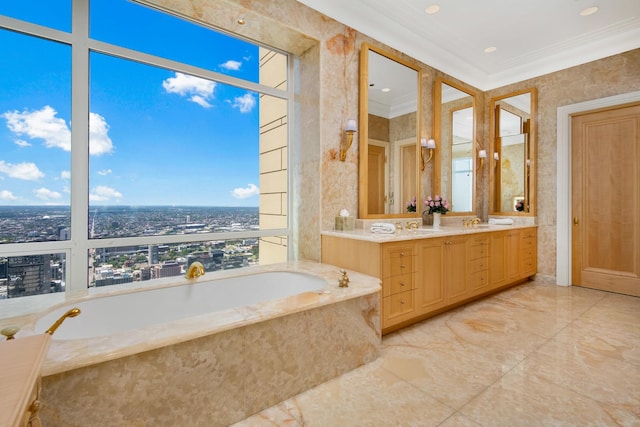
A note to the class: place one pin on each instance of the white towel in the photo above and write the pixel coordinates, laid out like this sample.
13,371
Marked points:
501,221
383,227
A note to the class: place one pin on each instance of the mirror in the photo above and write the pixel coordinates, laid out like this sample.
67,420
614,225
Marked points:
389,123
513,148
454,131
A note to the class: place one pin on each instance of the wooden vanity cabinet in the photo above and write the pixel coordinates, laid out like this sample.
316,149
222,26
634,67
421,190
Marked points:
479,263
398,282
513,256
422,277
21,359
528,252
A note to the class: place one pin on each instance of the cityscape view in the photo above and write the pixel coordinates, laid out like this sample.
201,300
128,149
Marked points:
38,274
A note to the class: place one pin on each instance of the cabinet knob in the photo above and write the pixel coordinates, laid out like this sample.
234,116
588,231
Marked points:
402,302
402,284
402,266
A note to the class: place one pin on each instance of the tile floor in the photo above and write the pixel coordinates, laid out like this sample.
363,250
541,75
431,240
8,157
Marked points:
533,355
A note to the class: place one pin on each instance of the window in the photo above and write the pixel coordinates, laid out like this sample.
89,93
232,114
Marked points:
186,157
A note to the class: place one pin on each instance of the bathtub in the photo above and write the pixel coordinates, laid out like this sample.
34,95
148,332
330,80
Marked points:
142,309
210,352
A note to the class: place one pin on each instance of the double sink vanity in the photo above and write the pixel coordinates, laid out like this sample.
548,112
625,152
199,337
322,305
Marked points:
407,153
425,271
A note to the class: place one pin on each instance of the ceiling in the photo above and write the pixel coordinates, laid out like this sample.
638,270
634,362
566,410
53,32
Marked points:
531,37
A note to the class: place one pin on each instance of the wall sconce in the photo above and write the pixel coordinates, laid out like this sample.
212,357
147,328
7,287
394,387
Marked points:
482,154
426,144
496,157
351,128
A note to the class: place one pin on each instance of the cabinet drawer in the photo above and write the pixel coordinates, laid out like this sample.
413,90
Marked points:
401,264
400,304
479,250
401,283
480,264
479,279
528,266
527,252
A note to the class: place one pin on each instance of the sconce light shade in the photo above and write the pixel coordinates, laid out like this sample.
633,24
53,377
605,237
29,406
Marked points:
482,154
496,156
426,144
351,128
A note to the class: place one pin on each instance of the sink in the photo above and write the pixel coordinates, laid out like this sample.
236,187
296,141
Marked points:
426,230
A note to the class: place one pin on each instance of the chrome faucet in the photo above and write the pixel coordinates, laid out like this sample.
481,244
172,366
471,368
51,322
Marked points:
196,269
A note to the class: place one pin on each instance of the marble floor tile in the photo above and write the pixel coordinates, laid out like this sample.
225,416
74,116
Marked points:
533,355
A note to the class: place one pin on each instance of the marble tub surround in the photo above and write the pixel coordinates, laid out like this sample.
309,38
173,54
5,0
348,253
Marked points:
215,369
72,354
533,355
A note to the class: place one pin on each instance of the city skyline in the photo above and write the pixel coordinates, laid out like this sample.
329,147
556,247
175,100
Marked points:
157,137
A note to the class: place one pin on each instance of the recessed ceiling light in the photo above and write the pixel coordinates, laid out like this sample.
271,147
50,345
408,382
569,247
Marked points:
430,10
241,21
385,89
490,49
589,11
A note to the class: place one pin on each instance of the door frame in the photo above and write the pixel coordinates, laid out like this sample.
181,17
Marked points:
563,176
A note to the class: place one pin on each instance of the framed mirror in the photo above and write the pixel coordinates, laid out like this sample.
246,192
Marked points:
513,153
455,133
389,130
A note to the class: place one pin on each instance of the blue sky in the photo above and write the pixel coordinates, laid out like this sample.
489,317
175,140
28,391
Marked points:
157,137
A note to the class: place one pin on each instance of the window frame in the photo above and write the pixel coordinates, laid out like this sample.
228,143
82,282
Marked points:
76,249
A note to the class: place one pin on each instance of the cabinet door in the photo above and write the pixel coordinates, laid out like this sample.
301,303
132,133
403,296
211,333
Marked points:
512,242
497,259
456,283
430,275
528,252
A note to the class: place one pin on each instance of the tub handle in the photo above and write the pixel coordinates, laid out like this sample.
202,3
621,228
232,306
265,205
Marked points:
71,313
10,331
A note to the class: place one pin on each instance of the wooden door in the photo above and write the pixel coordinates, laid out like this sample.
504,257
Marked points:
376,189
605,199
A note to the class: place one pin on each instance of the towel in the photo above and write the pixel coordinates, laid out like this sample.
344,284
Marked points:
383,228
501,221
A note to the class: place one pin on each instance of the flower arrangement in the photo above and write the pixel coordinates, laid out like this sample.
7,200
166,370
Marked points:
411,205
436,205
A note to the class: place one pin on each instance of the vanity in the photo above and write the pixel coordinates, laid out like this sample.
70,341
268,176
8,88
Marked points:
407,155
20,380
426,272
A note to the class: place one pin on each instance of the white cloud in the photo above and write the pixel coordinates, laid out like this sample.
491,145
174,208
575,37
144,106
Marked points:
22,143
231,65
104,172
24,170
7,195
44,124
244,103
46,194
65,175
41,124
99,141
196,89
244,193
102,193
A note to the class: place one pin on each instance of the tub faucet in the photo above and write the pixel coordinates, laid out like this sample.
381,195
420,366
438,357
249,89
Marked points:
196,269
343,282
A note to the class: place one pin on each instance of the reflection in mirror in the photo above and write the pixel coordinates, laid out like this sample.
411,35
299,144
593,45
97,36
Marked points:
389,118
513,147
456,132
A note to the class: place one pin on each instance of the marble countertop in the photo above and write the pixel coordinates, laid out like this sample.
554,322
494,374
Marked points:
421,233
